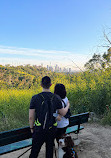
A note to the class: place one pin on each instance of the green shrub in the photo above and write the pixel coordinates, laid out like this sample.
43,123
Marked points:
106,119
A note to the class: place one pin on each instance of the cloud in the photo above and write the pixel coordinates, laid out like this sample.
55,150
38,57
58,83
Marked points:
18,56
30,52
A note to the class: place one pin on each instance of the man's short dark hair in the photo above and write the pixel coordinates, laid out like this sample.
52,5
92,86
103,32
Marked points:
60,90
46,82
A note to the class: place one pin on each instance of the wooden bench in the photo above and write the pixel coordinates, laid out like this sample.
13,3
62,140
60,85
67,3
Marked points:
21,138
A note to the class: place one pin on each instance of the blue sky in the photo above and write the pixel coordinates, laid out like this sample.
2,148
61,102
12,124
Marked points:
52,31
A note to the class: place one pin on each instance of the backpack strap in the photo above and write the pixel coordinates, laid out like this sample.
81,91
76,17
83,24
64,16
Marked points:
37,123
68,114
64,103
44,97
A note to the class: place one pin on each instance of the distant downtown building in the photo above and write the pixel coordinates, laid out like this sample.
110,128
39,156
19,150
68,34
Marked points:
56,68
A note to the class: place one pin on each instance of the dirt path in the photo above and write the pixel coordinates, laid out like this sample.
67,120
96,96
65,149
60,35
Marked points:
95,142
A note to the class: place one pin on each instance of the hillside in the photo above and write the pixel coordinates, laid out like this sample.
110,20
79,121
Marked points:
21,76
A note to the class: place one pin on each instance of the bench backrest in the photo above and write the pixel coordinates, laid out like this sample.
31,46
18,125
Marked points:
15,135
78,119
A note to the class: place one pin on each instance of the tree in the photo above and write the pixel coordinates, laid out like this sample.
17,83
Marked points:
107,58
101,62
95,62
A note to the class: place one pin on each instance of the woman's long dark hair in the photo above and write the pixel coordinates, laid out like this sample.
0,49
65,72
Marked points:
60,90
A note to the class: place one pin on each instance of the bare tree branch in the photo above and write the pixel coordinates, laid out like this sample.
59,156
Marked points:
106,37
104,46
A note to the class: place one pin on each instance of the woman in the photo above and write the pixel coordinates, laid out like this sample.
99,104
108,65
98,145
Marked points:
62,122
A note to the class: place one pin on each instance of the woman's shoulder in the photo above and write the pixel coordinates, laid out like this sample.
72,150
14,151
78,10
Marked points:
65,99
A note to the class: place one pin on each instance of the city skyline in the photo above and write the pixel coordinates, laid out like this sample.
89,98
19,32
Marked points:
57,68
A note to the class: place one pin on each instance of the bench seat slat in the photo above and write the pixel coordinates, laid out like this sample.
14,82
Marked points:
73,129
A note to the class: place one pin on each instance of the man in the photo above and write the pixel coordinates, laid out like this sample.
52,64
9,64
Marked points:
41,113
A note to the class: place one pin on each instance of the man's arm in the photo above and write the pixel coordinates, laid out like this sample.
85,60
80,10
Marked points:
31,119
63,111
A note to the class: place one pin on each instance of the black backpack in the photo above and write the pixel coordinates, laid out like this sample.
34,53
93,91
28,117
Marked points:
45,117
68,114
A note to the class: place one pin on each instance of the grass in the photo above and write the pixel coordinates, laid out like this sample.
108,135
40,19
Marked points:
14,106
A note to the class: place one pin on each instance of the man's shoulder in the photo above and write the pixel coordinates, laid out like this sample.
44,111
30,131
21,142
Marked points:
36,96
57,97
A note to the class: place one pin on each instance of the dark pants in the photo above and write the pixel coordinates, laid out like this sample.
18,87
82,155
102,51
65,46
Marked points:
60,132
41,136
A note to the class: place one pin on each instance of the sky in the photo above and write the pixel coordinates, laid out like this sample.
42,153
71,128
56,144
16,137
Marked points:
50,32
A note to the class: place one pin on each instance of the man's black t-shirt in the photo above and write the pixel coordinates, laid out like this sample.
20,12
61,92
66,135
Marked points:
36,101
